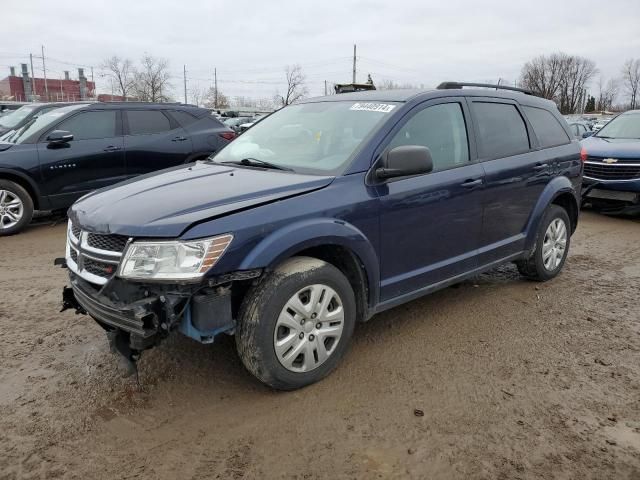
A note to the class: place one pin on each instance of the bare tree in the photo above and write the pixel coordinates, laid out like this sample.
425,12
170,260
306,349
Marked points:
543,75
607,93
387,85
296,88
215,99
559,77
631,79
198,95
121,72
264,104
152,80
578,71
391,85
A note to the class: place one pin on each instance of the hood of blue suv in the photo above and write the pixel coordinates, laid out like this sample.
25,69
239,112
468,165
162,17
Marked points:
166,203
612,147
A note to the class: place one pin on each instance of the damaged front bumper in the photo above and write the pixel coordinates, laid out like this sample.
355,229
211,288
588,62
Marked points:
139,316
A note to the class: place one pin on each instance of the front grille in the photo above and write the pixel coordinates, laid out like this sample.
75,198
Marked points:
101,269
621,170
75,230
95,257
111,243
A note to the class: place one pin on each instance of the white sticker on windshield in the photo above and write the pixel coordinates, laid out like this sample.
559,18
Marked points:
373,107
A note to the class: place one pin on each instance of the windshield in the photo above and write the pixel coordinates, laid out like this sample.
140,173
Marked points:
316,138
15,117
623,126
23,133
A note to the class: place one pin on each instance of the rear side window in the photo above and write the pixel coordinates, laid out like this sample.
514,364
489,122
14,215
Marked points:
183,118
88,125
547,127
144,122
442,129
502,131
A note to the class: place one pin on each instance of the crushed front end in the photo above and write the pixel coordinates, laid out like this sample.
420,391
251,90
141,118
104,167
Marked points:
139,314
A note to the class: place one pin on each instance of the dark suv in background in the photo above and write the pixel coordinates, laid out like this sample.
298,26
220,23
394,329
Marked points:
322,215
54,159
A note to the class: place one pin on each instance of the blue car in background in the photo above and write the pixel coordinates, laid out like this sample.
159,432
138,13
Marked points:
612,165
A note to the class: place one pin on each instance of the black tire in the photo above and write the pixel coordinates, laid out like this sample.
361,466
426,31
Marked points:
259,314
27,207
533,267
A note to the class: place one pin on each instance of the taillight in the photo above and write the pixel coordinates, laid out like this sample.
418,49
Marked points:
228,135
583,154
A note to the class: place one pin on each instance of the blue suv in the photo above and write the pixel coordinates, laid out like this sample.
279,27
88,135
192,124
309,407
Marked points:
322,215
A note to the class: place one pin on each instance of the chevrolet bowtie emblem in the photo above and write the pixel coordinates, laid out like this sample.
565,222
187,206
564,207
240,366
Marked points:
610,160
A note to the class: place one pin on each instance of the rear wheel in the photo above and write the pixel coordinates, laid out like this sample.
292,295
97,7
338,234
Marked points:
552,246
16,208
295,325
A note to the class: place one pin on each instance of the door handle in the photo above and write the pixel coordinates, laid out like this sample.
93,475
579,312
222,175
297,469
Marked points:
471,183
540,166
179,139
112,148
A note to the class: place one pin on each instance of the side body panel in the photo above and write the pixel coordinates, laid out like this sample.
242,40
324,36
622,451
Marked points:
345,213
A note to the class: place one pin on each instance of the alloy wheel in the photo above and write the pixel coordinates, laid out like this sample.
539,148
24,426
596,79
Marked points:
11,209
554,244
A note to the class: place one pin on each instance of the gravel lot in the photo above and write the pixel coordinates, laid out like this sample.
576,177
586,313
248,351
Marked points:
493,378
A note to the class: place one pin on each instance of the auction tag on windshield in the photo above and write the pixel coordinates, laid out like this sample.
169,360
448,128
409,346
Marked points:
373,107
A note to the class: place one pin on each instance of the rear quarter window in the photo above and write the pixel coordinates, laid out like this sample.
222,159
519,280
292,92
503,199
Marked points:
145,122
501,130
547,128
183,118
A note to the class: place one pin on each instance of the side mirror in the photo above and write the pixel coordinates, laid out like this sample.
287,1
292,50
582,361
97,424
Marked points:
58,137
404,161
587,134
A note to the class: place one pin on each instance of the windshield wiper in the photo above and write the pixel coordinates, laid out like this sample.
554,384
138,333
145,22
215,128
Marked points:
254,162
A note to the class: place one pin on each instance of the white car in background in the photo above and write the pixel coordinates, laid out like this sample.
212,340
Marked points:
601,123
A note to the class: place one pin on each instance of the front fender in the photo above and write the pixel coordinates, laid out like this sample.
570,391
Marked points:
556,187
24,177
293,238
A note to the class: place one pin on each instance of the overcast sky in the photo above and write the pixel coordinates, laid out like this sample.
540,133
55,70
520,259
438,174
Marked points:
251,41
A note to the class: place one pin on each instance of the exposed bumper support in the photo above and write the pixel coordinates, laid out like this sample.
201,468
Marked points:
139,316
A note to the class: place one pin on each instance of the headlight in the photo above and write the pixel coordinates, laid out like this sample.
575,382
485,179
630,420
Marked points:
173,260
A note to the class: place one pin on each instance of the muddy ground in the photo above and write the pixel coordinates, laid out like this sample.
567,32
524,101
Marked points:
514,380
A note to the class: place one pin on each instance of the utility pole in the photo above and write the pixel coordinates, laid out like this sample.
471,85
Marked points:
354,63
215,88
44,72
325,88
185,83
33,83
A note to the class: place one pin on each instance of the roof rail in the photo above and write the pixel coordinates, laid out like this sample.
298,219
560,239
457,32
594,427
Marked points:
138,102
459,85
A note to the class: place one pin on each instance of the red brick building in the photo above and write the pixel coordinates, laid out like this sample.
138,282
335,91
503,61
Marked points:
24,88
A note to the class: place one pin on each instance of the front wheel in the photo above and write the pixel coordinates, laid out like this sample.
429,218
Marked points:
552,246
295,325
16,208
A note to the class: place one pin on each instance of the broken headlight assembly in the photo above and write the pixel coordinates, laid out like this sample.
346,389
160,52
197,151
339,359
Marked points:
172,260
